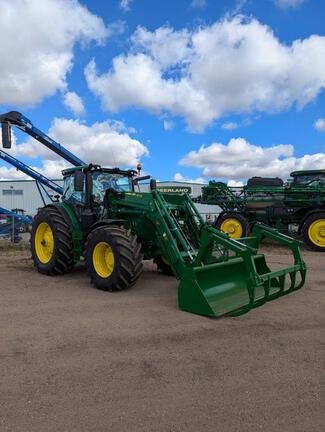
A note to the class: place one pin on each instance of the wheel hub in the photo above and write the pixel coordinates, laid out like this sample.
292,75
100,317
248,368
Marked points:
316,232
233,227
44,242
103,259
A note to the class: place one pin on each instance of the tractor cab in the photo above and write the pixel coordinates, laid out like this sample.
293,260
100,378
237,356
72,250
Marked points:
86,189
89,183
312,178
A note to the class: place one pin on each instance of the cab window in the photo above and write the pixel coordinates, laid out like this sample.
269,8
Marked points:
103,181
310,180
68,190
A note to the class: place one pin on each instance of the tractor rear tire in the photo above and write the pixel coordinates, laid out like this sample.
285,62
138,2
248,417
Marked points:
51,242
163,265
313,232
234,224
113,258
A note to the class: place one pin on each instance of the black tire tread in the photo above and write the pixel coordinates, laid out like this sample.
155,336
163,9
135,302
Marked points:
129,266
304,231
62,261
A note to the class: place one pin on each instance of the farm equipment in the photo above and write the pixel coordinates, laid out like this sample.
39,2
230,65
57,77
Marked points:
103,220
295,207
42,181
12,224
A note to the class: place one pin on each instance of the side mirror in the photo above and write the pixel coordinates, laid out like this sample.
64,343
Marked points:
138,179
6,135
79,181
153,184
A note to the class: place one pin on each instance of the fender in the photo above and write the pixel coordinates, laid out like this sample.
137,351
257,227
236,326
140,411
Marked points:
104,222
63,212
76,232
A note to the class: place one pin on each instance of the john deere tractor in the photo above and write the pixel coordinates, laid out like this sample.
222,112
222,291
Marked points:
104,221
79,227
296,207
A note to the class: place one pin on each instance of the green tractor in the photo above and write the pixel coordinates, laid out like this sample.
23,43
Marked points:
103,220
297,207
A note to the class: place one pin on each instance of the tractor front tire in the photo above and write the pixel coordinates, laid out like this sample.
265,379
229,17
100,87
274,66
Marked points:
113,258
313,232
234,224
163,265
51,242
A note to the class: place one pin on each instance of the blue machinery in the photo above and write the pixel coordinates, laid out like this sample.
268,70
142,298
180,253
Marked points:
11,227
40,178
20,121
23,123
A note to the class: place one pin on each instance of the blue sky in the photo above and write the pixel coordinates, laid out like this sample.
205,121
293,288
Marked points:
192,89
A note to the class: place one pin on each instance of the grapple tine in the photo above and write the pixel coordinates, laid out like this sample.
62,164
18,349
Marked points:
293,281
302,279
267,287
282,280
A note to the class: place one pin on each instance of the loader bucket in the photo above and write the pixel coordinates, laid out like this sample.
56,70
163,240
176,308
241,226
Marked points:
235,286
214,289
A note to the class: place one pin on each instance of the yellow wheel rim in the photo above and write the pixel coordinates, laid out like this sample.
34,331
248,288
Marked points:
44,242
316,232
232,227
103,259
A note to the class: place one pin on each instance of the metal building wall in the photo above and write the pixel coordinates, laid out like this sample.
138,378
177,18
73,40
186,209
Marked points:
29,198
207,211
22,194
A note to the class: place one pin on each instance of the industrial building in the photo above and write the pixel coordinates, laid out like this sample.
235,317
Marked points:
25,195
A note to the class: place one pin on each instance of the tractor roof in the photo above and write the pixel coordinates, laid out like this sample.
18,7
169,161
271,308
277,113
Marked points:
94,168
307,172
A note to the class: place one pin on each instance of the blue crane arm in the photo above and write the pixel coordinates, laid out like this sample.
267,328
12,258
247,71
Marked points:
31,172
23,123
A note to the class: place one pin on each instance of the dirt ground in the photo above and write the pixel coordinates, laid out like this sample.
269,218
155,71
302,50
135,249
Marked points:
76,359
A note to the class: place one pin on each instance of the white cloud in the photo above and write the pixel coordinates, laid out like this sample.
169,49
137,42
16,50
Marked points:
169,125
37,49
235,65
239,160
74,103
179,177
319,125
284,4
230,125
101,143
11,173
198,3
119,126
165,45
125,5
234,183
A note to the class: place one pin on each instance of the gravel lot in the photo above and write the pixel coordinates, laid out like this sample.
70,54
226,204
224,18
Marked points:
76,359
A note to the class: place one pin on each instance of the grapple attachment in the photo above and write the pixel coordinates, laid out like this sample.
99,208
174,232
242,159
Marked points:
239,279
218,275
